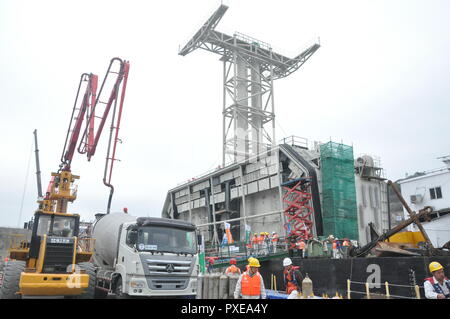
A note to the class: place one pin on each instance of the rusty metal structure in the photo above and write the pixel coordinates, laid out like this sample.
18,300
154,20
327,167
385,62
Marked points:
414,218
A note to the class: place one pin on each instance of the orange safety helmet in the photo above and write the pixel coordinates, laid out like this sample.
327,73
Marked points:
232,261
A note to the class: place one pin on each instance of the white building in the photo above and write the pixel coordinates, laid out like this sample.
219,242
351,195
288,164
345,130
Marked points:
430,189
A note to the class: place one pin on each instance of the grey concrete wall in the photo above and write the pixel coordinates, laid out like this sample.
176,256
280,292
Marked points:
199,216
260,203
372,207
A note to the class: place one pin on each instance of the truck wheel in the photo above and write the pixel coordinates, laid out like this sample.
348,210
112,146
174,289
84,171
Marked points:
11,279
118,290
89,293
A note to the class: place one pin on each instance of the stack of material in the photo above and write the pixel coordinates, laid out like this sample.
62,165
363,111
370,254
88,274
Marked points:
216,286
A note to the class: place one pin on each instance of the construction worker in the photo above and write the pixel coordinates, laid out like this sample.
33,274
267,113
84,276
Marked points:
340,253
291,276
274,242
334,247
301,248
255,243
345,247
438,286
266,243
232,269
261,243
251,284
346,242
210,265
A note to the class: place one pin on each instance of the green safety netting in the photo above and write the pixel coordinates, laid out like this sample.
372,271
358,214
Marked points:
338,190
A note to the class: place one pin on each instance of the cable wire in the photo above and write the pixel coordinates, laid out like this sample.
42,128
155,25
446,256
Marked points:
25,185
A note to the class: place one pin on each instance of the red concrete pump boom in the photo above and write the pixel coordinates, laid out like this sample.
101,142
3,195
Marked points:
85,112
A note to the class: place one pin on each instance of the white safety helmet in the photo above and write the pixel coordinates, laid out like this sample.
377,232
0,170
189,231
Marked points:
287,262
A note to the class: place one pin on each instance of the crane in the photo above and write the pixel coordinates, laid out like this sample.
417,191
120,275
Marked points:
56,261
88,109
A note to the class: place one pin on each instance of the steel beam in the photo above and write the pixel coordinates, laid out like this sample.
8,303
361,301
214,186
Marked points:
245,55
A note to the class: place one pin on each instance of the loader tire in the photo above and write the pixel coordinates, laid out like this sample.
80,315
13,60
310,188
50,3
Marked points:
89,293
11,279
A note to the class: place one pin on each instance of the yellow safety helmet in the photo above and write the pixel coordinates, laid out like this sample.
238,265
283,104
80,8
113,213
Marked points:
253,262
435,266
261,233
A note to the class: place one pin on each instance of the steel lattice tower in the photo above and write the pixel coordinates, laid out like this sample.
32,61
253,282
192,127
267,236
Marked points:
249,69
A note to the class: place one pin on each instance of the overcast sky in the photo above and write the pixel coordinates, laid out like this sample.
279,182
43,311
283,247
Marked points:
379,82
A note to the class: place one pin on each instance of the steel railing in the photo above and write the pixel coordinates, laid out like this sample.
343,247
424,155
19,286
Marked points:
387,287
18,242
244,250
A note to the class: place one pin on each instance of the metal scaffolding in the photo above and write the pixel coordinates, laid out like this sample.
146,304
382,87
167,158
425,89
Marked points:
249,68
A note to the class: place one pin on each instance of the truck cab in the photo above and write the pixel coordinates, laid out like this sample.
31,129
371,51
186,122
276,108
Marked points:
156,257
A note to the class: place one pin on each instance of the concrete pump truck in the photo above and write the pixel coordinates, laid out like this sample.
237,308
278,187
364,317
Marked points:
56,262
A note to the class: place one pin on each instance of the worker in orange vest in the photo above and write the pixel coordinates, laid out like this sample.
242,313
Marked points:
291,276
260,243
232,269
251,284
274,242
334,246
301,248
265,243
268,243
255,243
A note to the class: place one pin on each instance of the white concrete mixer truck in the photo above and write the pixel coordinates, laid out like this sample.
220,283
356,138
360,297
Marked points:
145,256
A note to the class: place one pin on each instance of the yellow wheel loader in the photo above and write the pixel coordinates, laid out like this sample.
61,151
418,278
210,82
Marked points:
56,261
